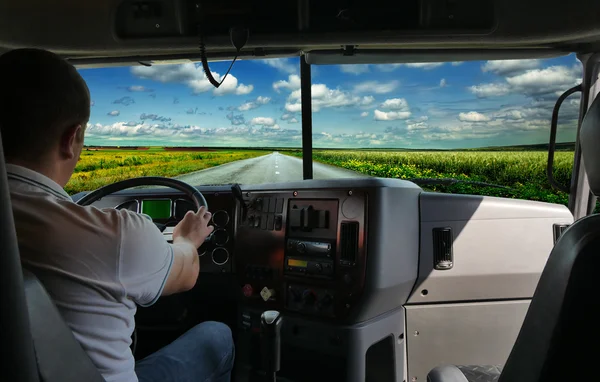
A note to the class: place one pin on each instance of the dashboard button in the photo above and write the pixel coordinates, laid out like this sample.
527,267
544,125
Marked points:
247,290
220,218
220,256
279,205
278,222
301,247
272,204
270,222
263,222
220,237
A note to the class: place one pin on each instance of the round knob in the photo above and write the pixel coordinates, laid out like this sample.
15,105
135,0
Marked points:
220,218
318,268
325,302
309,297
301,247
220,237
220,256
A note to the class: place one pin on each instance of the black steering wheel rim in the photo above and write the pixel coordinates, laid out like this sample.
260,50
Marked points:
190,191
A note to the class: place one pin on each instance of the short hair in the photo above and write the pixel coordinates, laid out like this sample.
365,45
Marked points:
41,97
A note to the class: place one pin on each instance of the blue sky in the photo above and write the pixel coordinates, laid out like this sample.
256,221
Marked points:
430,105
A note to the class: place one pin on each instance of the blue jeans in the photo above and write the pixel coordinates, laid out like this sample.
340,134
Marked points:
204,353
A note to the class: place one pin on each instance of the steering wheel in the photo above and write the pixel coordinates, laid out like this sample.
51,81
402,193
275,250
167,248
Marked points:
191,192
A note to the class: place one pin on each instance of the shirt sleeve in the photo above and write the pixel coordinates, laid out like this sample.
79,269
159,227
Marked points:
145,258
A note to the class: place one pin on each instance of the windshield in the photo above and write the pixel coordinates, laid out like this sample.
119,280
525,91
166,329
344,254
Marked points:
481,121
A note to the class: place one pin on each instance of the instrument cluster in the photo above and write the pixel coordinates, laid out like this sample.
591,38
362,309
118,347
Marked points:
217,252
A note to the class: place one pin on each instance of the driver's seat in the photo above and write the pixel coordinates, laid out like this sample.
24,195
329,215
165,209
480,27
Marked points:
37,345
560,335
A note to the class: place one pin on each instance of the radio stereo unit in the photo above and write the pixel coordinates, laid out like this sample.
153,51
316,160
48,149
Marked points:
309,267
309,258
308,248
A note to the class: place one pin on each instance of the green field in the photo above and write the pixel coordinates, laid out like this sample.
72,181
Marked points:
523,172
99,167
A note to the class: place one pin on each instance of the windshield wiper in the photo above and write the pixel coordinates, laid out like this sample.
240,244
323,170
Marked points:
452,181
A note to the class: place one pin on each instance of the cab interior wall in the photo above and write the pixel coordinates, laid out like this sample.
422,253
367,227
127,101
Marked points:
98,31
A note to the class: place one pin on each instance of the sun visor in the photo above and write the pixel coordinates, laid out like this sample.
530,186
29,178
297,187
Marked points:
390,56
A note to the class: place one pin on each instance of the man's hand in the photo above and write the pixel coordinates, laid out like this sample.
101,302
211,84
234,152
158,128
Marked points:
188,236
193,227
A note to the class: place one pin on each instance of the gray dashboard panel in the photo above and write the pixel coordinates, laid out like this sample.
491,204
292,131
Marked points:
480,333
500,247
392,238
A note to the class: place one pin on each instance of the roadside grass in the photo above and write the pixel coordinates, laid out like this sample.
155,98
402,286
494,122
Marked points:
97,168
524,172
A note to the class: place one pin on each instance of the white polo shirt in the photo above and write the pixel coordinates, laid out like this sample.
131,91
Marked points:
97,264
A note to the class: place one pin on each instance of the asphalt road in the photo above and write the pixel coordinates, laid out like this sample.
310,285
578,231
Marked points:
271,168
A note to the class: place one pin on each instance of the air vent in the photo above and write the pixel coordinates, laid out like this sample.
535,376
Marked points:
443,257
349,243
558,230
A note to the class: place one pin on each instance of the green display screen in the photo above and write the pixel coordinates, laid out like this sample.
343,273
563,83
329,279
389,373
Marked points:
157,209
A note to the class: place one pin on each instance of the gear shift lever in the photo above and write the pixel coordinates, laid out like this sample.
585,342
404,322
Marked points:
270,343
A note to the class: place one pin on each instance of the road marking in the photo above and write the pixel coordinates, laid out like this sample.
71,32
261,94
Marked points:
276,172
276,166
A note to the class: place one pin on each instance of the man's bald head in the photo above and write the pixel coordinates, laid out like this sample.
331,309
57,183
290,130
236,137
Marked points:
42,97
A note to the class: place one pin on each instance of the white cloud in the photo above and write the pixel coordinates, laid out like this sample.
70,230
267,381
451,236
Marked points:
391,115
388,67
473,116
532,83
324,97
395,104
114,113
457,63
417,126
354,69
262,121
364,114
294,107
398,109
293,120
425,65
489,90
191,76
191,134
285,65
504,67
292,83
544,81
443,83
376,87
138,88
259,101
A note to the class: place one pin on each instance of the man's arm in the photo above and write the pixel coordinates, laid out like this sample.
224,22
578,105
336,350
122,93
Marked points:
188,236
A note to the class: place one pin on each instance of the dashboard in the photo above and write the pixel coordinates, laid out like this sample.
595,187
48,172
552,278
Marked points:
300,250
352,263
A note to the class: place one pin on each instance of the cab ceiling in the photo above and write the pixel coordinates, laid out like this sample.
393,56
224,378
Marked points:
117,31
